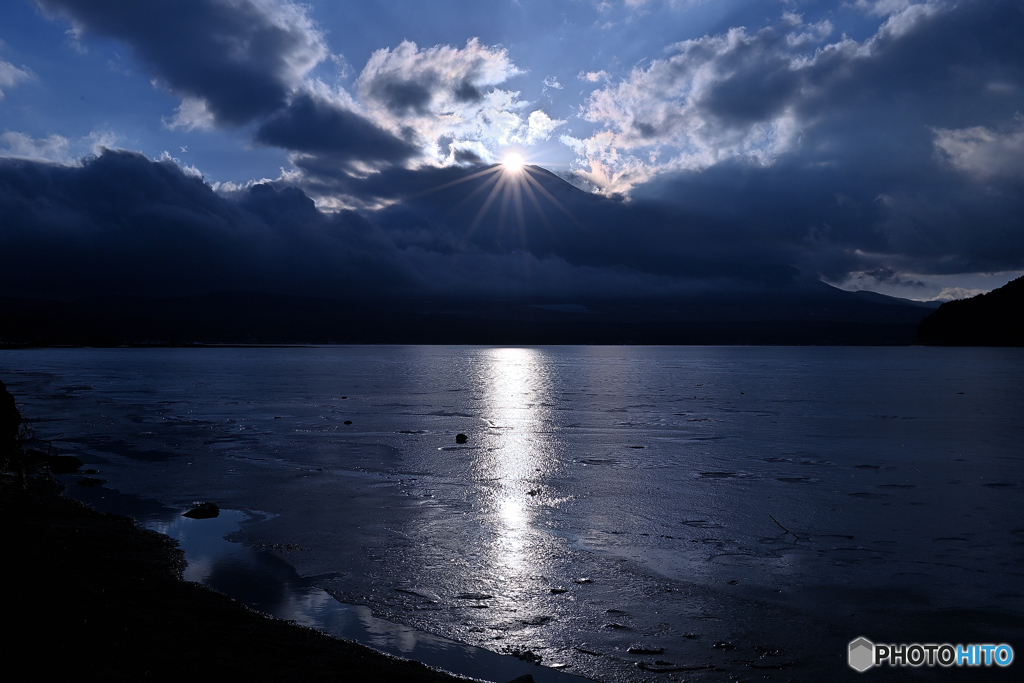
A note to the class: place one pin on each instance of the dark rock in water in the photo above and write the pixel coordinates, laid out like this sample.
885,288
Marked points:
724,645
644,650
461,438
558,591
203,511
348,422
35,459
528,656
419,593
473,596
526,678
65,464
663,667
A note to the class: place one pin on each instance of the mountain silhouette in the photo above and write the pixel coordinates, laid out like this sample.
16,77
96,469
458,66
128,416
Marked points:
992,319
795,314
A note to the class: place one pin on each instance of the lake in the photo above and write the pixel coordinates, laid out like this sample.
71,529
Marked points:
718,510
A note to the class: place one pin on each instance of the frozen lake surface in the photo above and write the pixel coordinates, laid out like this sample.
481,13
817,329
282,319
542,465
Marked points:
721,511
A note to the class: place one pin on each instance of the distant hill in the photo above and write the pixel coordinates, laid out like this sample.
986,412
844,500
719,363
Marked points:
885,299
993,319
796,314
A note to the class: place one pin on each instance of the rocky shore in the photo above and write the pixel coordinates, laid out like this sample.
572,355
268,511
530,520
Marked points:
91,592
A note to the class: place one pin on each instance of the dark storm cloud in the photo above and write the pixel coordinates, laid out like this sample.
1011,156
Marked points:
902,152
402,97
242,58
409,80
317,126
837,220
937,56
467,92
935,65
240,62
759,86
955,68
876,123
123,224
416,95
466,156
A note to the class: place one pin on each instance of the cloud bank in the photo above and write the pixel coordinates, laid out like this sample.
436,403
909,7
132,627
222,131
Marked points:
119,223
744,154
758,96
249,62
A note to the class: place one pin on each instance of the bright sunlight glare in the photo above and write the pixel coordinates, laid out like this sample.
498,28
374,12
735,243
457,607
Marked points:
512,162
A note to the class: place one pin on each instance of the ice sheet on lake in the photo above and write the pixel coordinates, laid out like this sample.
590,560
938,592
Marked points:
605,498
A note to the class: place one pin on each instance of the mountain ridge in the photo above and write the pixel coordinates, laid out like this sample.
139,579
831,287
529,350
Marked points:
799,315
992,319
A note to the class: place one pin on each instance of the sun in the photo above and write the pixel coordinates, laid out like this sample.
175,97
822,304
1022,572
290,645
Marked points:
512,162
512,183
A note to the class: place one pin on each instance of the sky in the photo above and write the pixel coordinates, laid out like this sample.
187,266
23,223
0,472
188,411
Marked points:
345,149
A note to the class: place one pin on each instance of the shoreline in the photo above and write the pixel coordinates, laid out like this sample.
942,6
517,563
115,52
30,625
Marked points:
93,591
269,585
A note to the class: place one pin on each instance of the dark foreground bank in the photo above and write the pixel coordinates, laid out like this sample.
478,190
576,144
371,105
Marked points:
91,592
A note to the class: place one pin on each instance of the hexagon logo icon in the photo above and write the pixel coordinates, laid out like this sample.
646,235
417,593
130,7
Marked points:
862,654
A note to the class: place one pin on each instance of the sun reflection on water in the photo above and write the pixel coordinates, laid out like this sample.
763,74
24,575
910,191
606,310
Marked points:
514,468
